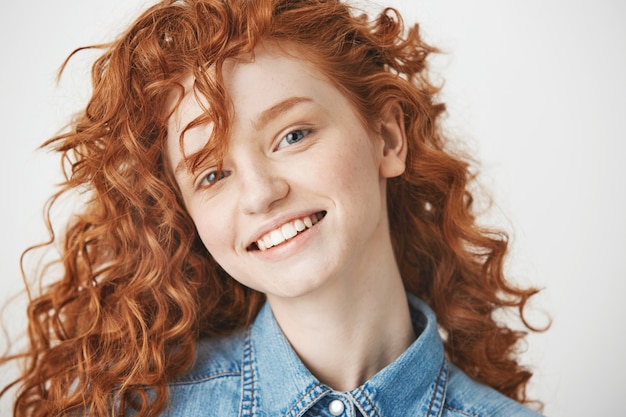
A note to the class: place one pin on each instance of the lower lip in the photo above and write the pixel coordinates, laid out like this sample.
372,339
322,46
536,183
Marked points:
289,247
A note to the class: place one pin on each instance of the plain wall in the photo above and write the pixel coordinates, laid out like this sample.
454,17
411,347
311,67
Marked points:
536,89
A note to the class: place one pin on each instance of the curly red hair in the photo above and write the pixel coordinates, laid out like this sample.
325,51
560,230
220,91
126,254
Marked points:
138,288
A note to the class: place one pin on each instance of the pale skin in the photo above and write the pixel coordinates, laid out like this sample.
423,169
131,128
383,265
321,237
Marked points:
298,151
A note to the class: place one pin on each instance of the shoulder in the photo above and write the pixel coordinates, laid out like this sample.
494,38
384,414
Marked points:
468,398
215,379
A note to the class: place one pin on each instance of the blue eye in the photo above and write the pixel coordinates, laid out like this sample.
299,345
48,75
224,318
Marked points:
214,176
294,137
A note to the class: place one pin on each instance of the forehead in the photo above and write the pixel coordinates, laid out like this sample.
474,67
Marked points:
275,72
274,69
254,83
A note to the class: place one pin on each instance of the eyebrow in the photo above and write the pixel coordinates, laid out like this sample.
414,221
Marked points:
264,117
282,106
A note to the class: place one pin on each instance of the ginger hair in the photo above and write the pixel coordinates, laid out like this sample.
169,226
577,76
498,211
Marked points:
137,287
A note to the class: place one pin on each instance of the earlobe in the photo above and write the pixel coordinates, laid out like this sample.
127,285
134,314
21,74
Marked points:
393,135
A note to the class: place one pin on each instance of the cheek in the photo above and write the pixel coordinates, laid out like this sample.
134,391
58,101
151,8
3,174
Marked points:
355,169
210,235
211,225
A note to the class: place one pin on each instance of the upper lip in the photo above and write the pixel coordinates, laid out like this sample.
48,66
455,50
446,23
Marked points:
277,222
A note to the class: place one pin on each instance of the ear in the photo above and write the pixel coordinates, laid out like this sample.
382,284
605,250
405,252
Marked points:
393,135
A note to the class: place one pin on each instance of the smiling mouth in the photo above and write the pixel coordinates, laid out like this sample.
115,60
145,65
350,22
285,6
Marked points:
286,232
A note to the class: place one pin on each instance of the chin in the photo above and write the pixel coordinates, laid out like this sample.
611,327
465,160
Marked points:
292,286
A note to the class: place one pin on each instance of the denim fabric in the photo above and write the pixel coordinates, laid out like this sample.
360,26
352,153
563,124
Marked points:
257,373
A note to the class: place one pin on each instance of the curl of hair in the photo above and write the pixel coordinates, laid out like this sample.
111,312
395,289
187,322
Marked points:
138,288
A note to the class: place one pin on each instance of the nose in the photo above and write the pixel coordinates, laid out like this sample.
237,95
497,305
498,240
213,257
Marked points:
262,187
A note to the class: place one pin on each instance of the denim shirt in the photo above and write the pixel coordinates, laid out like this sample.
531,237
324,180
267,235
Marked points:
256,373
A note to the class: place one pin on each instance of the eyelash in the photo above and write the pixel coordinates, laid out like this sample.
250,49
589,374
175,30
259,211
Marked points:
300,133
206,182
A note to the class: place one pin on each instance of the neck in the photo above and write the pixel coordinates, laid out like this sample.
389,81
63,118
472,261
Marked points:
348,331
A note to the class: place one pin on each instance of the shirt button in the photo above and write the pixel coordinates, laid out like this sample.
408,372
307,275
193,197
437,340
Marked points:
336,407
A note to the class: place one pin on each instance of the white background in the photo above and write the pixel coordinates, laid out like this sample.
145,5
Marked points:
537,90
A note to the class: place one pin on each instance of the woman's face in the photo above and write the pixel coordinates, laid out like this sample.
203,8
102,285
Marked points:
301,201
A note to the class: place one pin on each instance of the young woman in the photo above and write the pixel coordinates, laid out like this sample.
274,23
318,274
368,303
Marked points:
274,226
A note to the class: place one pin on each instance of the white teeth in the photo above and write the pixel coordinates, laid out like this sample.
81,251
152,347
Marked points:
289,230
277,237
299,225
286,232
307,222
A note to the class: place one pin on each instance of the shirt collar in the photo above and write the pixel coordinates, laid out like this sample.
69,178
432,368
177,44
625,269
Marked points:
277,382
